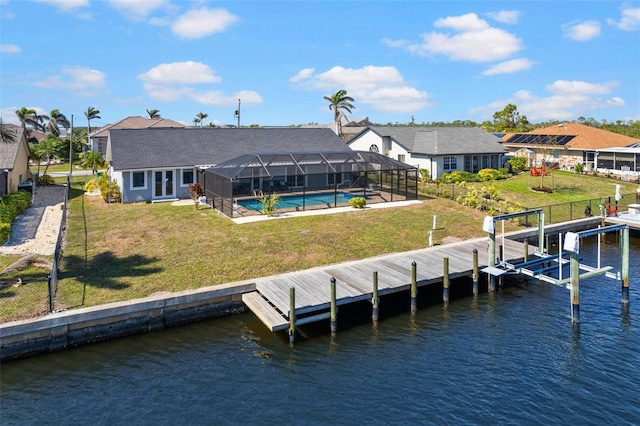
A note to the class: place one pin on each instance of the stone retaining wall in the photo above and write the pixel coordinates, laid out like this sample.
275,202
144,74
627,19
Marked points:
66,329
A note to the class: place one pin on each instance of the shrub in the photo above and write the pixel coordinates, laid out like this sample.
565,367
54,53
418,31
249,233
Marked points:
358,202
109,190
579,168
5,231
490,174
91,185
518,164
45,180
11,205
459,176
269,203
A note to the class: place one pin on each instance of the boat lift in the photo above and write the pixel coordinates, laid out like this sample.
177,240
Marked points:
550,263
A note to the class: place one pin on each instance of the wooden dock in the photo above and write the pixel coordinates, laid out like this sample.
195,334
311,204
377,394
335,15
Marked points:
625,218
270,302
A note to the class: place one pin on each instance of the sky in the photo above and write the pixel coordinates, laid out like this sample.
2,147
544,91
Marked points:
399,60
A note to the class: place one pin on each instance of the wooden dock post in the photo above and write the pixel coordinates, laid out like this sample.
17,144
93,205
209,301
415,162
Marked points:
414,288
375,300
575,288
445,281
526,251
624,241
475,272
292,314
334,309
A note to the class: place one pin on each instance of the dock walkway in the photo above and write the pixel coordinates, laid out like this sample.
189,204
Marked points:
354,280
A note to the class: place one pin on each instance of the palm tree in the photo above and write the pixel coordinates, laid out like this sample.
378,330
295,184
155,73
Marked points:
92,160
6,135
91,113
339,103
201,116
55,120
196,121
49,148
153,113
27,117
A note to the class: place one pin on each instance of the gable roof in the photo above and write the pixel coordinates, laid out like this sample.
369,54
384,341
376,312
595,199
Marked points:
136,122
442,140
135,149
9,150
583,137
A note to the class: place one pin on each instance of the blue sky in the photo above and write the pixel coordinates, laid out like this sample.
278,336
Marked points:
430,60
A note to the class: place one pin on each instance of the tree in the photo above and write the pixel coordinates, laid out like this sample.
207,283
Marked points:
92,160
27,117
339,103
153,113
509,120
49,148
55,120
200,117
6,134
91,113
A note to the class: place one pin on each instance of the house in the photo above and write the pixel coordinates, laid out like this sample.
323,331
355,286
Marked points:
98,139
14,161
566,144
156,164
437,149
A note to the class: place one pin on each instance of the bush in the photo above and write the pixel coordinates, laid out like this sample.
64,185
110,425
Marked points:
45,180
91,185
109,190
490,174
518,164
358,202
12,205
5,232
459,176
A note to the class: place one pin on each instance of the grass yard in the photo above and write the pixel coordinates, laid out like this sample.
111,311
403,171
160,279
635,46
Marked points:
118,252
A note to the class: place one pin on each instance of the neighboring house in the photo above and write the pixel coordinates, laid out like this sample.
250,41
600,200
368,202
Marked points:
98,139
566,144
437,149
14,161
352,128
159,164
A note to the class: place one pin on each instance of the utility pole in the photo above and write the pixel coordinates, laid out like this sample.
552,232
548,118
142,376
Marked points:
238,113
71,148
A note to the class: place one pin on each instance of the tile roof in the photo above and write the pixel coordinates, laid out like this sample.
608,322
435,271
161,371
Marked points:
9,150
443,140
136,122
586,137
134,149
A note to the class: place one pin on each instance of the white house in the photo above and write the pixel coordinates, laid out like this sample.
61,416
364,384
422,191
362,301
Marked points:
437,149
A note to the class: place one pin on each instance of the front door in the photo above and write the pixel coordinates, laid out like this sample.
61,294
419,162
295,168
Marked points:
164,184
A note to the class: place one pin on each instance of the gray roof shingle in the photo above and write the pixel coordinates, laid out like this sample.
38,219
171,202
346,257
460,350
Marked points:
443,140
9,150
135,149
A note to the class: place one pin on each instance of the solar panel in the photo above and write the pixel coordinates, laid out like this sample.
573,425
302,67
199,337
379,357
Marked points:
534,139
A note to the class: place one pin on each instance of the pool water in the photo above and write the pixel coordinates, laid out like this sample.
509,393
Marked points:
296,201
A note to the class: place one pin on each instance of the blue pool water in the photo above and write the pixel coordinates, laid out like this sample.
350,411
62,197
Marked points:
293,201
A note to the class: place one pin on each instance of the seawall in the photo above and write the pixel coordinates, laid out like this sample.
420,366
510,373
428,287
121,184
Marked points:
76,327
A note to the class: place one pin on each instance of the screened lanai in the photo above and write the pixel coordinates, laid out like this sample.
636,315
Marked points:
306,181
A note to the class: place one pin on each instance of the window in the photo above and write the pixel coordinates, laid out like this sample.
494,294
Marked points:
374,148
187,177
332,179
401,157
450,163
138,180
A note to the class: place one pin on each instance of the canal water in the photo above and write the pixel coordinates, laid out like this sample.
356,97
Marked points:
512,357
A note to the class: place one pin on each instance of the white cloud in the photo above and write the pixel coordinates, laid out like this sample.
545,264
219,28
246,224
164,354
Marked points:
180,73
178,80
137,10
383,88
581,31
83,81
202,22
8,114
629,21
10,48
566,101
396,44
65,5
473,40
509,67
505,16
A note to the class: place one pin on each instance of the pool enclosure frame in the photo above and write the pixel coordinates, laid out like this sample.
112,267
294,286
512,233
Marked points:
358,173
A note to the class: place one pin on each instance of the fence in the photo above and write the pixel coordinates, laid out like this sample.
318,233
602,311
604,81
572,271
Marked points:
53,276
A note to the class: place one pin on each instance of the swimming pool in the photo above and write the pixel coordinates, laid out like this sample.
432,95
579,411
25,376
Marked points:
295,201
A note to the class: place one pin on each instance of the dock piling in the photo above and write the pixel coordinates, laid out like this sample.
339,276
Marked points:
292,315
445,281
334,308
575,288
624,240
475,272
375,300
526,251
414,288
